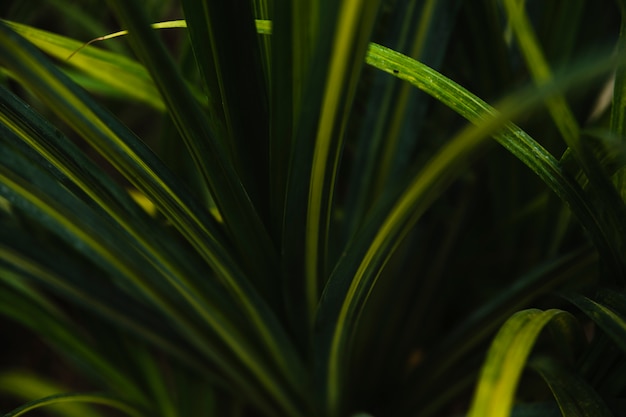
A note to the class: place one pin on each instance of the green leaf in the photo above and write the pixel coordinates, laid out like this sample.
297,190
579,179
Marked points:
95,399
604,314
26,387
346,60
506,360
574,396
125,76
541,72
618,117
226,45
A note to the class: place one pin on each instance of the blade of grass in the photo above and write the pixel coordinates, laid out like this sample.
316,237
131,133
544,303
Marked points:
300,44
27,386
116,71
226,44
541,72
611,322
156,380
281,97
117,74
349,47
95,399
618,116
506,360
573,394
262,16
297,73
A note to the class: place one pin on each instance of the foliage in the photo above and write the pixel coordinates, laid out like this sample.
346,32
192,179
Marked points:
289,208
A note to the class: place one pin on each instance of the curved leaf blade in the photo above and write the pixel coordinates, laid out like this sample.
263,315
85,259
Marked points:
117,72
574,396
608,317
346,60
95,399
505,362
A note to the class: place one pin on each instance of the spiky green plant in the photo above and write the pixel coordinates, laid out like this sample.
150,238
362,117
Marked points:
320,223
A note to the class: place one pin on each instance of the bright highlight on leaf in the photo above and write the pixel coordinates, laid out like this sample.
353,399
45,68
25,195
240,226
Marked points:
506,361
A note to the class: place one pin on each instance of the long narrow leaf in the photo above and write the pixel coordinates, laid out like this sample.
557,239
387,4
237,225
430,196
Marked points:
618,116
573,394
505,362
95,399
346,60
225,42
116,71
26,386
610,321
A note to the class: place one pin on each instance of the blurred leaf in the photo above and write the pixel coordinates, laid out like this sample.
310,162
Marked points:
26,386
574,396
603,314
100,399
